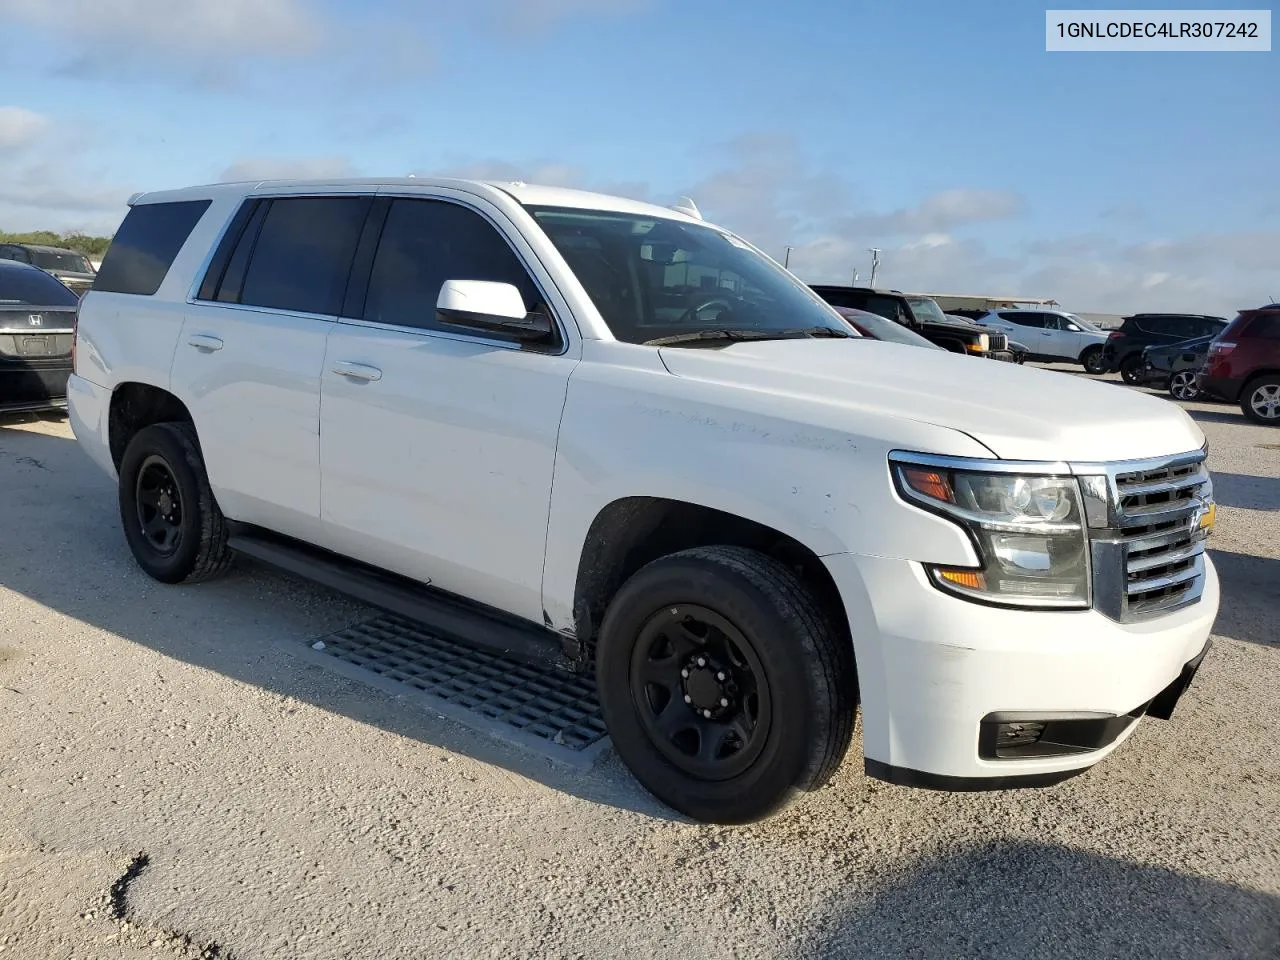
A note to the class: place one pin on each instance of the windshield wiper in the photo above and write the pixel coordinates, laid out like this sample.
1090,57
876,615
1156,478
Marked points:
714,336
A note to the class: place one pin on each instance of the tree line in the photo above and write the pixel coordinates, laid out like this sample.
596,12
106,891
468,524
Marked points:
93,247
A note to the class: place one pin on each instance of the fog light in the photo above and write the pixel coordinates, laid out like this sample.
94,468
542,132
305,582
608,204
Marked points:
1017,734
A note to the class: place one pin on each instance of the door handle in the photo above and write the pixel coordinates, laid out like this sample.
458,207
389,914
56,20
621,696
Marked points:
205,342
357,371
1045,333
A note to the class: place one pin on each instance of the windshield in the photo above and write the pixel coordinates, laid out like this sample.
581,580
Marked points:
926,310
33,287
60,260
652,278
882,328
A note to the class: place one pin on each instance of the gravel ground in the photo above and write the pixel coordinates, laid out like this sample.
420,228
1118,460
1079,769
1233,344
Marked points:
176,782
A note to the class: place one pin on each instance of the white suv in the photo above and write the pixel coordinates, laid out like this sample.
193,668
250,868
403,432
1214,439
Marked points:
1052,335
617,432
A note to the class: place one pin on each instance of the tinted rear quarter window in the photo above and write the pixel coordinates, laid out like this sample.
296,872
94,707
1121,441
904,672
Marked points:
144,247
302,255
1024,318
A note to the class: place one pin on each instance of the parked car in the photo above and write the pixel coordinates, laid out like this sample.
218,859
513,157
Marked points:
881,328
1123,350
37,315
73,269
548,420
1174,367
892,304
1017,352
1243,364
1052,336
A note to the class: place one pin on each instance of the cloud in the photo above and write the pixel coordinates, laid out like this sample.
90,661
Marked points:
242,26
19,127
940,213
288,168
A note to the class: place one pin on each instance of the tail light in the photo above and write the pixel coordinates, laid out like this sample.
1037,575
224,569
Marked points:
1115,335
75,334
1221,348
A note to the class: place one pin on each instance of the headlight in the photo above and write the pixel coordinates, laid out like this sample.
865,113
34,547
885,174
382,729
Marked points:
1028,532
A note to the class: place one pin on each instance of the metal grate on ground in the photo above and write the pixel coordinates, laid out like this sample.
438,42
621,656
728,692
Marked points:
550,710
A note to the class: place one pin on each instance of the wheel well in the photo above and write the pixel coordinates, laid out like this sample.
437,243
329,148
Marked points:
629,533
954,346
138,405
1091,347
1258,375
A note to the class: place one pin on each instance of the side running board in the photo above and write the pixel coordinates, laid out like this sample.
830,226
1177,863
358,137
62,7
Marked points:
440,612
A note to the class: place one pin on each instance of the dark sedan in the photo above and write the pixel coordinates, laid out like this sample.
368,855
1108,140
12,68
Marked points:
37,326
1173,367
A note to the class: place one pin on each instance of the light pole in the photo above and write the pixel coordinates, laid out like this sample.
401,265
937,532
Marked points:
875,263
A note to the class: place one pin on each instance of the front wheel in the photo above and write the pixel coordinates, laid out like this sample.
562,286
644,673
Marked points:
1182,385
170,518
725,686
1131,370
1260,400
1093,361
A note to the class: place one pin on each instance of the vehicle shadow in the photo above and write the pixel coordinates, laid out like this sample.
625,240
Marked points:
1073,904
63,548
1244,490
1218,416
1250,606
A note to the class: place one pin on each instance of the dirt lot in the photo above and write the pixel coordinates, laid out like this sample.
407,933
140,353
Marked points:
176,781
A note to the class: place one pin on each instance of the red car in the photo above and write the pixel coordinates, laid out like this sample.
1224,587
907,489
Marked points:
1244,364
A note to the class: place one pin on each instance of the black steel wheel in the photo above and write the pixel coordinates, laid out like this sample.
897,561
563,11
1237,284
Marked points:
700,691
170,518
1093,361
727,688
159,505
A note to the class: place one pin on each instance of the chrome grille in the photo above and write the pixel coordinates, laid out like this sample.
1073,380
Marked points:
998,341
1146,541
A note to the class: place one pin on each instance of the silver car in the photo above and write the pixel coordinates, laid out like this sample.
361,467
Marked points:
1053,336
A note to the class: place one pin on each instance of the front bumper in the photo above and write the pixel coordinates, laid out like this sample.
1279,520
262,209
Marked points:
933,667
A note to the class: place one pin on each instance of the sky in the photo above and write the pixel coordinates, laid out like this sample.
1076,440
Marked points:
942,133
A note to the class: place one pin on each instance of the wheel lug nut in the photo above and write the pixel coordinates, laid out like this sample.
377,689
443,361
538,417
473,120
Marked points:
688,699
720,675
702,661
724,702
707,714
684,673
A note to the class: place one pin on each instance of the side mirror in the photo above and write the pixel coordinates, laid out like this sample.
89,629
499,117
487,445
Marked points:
490,307
1072,327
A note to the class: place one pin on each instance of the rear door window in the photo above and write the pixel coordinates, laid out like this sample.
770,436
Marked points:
145,246
301,256
1024,318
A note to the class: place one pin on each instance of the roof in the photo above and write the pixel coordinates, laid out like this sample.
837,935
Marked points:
524,193
19,265
43,247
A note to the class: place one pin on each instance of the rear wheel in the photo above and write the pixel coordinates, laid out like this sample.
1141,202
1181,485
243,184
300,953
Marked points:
170,518
1093,361
1260,400
725,686
1131,369
1182,385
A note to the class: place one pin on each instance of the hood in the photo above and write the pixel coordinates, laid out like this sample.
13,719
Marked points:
1019,413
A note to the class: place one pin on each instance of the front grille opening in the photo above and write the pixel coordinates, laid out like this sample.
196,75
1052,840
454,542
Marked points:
1163,475
1165,570
1169,495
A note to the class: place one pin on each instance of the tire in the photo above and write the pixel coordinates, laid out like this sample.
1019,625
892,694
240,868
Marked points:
1131,369
795,665
1093,361
1260,400
1182,386
171,520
